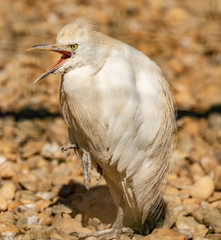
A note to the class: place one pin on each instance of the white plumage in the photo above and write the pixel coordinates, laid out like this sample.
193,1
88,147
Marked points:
119,112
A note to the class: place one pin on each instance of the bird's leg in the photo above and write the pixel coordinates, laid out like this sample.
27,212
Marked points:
69,146
84,170
118,224
86,163
89,168
114,232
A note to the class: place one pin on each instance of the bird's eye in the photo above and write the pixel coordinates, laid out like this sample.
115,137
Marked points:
74,46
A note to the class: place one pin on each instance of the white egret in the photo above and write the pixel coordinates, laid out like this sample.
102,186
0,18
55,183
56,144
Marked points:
120,116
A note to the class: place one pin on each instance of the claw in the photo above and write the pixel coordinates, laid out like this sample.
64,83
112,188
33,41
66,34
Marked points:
69,146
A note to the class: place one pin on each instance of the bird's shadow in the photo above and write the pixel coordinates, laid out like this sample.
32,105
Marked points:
93,203
97,203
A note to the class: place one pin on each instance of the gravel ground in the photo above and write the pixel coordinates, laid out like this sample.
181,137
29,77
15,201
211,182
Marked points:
42,195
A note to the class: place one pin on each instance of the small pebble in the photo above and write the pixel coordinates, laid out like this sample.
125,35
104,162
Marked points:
8,190
203,188
3,203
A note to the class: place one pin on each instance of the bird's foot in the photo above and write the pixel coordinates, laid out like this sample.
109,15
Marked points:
68,147
111,233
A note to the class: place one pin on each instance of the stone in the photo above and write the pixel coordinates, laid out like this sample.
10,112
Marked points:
8,216
67,224
8,169
44,219
208,163
182,183
29,181
8,230
213,236
40,232
203,188
26,197
215,197
189,224
41,205
8,190
137,237
185,193
218,178
27,219
59,235
208,216
31,148
171,191
176,16
45,195
197,171
13,204
192,201
58,209
3,203
49,150
165,234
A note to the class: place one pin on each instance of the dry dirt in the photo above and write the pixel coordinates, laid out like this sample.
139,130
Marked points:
42,195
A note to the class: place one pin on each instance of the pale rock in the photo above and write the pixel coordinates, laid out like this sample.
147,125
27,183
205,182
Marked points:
165,234
218,177
44,219
8,169
67,224
50,150
8,230
27,219
203,188
176,16
59,235
182,183
41,205
38,232
137,237
45,195
190,224
122,237
213,237
29,181
171,191
208,163
185,193
2,159
7,216
215,197
208,216
8,190
3,203
197,171
60,208
26,197
31,148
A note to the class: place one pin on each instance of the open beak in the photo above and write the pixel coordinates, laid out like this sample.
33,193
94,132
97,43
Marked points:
55,48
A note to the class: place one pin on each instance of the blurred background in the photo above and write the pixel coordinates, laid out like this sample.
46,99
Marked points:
183,37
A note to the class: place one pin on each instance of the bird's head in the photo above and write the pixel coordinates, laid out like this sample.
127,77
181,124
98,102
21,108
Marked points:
77,42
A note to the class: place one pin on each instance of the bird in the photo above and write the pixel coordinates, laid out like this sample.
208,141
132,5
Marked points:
119,110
